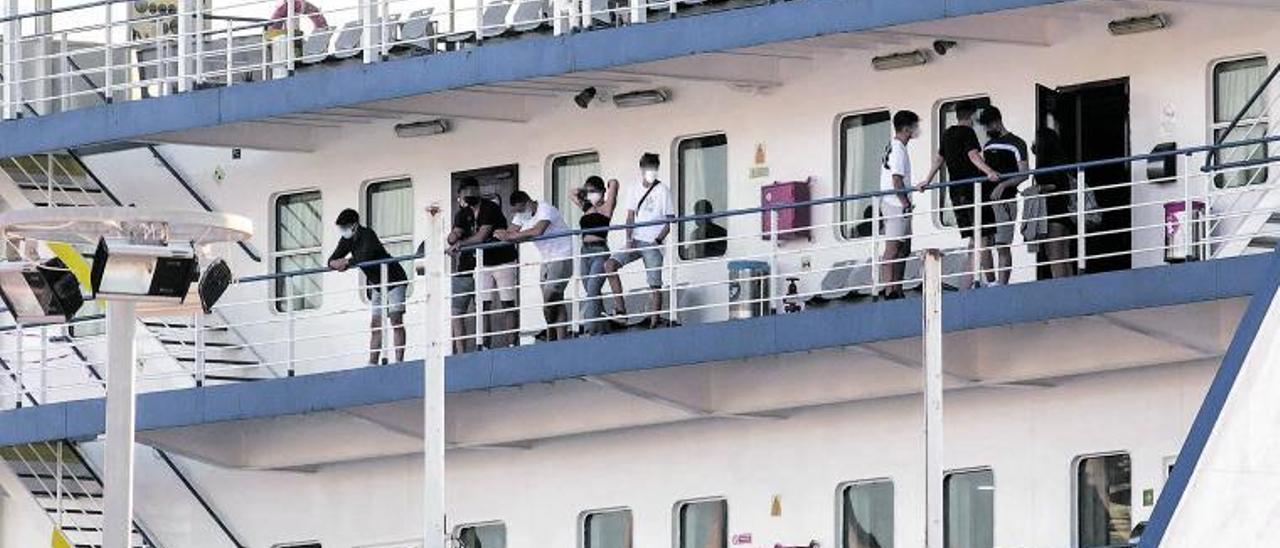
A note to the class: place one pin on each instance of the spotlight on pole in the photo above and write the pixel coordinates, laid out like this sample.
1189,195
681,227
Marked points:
126,269
214,282
40,293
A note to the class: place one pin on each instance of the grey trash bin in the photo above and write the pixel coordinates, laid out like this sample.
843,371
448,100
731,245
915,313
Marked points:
748,289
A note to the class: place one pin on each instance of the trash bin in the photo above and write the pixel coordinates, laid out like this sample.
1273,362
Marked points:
1184,234
748,289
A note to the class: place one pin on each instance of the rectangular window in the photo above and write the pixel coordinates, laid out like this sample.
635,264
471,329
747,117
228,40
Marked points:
298,231
568,173
866,508
606,529
1103,501
947,118
1234,83
863,138
389,212
483,535
702,524
968,500
702,164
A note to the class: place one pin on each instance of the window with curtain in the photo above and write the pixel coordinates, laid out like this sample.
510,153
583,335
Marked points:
298,240
702,165
484,535
606,529
568,173
863,138
389,212
1234,82
1104,502
968,500
867,510
703,524
947,118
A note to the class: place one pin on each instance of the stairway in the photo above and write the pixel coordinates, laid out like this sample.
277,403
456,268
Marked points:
56,179
227,357
1268,236
68,489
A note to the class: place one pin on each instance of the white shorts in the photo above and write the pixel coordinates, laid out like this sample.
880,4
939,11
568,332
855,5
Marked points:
1006,214
896,221
503,280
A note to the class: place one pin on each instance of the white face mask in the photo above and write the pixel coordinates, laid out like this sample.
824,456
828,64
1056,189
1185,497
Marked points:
594,197
347,231
650,175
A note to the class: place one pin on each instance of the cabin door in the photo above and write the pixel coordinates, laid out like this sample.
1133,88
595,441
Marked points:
1092,120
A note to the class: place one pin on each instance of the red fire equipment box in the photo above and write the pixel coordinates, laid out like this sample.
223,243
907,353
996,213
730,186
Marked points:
793,222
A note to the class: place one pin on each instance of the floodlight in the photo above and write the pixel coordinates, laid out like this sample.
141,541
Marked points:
150,271
38,294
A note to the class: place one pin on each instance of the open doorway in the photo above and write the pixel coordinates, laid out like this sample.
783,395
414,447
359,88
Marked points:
1092,120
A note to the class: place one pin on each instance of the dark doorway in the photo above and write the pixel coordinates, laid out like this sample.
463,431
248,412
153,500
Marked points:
496,183
1093,121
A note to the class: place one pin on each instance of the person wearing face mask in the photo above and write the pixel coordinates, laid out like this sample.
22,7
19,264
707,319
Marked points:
597,201
1007,154
358,245
895,206
534,219
649,202
477,221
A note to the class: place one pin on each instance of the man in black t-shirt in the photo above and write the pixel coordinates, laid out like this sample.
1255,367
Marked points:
498,283
360,244
1007,154
961,153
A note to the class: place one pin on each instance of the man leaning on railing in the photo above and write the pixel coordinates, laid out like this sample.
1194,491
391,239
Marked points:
359,245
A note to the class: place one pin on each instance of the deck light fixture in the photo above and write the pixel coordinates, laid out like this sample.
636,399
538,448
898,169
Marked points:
422,129
901,60
583,98
129,269
941,47
40,293
213,283
642,98
1135,25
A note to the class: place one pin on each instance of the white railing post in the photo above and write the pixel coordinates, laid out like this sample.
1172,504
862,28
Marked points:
200,348
12,54
558,12
933,424
582,8
439,346
108,56
979,244
199,39
229,55
479,16
290,33
44,364
20,363
66,84
875,247
57,473
291,336
1080,221
672,260
1188,218
382,315
367,9
576,282
185,8
477,296
774,275
384,30
162,53
638,11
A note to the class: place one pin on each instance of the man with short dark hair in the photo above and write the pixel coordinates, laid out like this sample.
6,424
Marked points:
535,219
648,202
895,205
497,287
961,153
359,245
1007,154
708,239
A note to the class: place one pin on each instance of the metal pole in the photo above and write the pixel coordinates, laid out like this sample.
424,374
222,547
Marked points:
575,293
932,316
229,55
118,476
479,7
382,315
44,365
291,321
201,350
477,297
1080,228
185,9
65,85
875,247
108,60
979,277
433,410
12,31
19,366
290,30
367,10
773,261
673,255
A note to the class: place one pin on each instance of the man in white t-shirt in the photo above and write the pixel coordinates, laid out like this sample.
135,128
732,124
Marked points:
895,206
649,202
541,222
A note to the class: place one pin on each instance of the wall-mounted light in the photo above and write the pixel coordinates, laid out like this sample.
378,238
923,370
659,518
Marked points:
40,293
1135,25
642,98
941,47
422,129
150,271
583,98
895,61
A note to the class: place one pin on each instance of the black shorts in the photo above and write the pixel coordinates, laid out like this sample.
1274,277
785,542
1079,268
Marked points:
962,208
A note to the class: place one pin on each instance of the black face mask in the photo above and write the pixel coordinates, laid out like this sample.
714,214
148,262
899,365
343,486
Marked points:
471,201
993,133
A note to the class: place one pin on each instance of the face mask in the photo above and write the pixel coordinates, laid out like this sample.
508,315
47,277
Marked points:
347,231
650,175
993,133
471,201
594,197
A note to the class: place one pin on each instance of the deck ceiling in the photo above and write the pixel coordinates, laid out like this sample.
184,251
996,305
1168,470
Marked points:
1026,356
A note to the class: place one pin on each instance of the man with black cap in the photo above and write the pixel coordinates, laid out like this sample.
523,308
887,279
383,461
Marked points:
359,245
649,202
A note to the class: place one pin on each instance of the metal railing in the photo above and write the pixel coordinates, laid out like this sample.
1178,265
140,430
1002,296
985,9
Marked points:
56,58
824,271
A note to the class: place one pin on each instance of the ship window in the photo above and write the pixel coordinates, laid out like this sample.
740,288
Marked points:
863,138
1234,83
606,529
866,509
1103,501
703,187
389,212
568,173
969,509
298,231
483,535
945,216
702,524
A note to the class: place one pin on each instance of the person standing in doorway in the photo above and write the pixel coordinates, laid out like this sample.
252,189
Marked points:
1007,154
961,153
534,219
359,245
647,203
895,205
480,219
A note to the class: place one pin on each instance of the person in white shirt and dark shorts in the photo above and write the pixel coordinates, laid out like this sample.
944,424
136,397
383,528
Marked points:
649,202
538,219
895,207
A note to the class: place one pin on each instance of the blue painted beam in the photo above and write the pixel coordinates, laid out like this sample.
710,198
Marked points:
815,329
527,57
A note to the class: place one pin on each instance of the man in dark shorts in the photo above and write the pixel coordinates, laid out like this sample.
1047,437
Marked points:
961,152
1007,154
360,244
